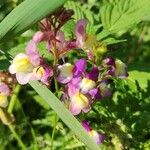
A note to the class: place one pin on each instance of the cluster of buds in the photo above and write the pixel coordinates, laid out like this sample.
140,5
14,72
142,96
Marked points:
80,84
6,81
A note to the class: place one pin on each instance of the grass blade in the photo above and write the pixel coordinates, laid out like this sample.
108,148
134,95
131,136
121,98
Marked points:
64,114
26,14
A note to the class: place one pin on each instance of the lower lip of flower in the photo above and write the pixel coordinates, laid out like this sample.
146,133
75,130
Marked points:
81,100
87,84
66,70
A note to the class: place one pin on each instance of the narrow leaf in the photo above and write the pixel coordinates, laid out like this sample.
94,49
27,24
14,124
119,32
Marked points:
26,14
64,114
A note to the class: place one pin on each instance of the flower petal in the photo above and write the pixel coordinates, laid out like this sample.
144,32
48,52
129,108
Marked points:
80,32
86,125
12,69
65,73
86,85
95,93
48,72
80,67
93,74
98,138
38,37
121,69
23,78
33,53
74,108
4,89
79,102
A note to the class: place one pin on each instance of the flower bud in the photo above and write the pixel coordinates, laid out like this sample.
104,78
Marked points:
5,117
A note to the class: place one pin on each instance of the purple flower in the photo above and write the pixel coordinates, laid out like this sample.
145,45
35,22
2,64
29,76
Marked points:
67,71
115,68
93,74
95,93
79,67
80,32
98,138
30,66
78,101
4,93
81,85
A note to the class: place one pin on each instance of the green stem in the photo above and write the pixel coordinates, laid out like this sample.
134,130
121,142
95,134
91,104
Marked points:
34,138
32,130
54,129
10,109
56,86
17,137
14,98
12,103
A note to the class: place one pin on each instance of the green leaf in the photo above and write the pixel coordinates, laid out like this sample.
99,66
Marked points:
123,14
80,12
26,14
111,40
140,76
140,73
64,114
5,65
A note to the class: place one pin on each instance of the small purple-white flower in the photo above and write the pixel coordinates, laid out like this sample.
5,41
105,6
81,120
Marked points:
84,40
30,66
4,93
115,67
98,138
80,32
78,101
67,71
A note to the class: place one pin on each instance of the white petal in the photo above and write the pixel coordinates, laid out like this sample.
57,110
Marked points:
12,69
20,56
23,78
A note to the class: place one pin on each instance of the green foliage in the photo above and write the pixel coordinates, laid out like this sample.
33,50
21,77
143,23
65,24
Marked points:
123,14
120,15
15,24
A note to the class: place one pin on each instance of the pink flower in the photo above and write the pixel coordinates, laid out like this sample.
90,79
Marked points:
49,34
80,32
98,138
4,93
78,101
83,40
30,66
68,71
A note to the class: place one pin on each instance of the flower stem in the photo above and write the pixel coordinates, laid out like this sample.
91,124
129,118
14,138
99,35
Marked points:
17,137
10,109
54,129
14,98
